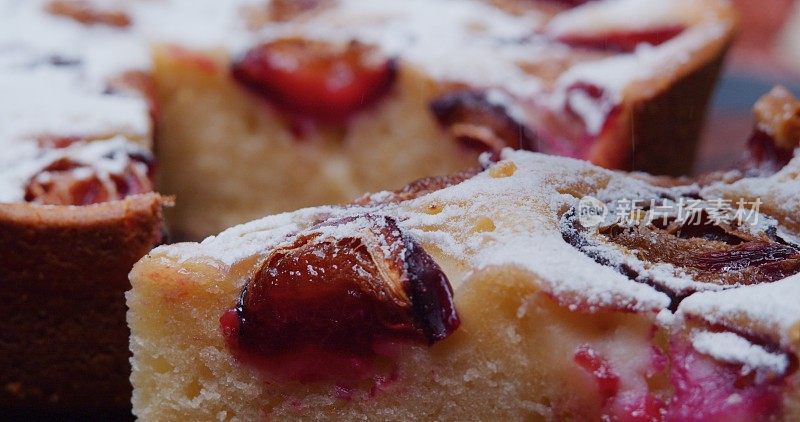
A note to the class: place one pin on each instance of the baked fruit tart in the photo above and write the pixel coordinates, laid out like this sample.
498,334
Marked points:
535,288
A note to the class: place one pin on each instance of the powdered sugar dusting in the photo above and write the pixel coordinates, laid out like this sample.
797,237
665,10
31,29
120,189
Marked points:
21,162
55,74
731,348
614,74
415,31
780,193
424,33
600,17
764,309
54,100
525,210
525,234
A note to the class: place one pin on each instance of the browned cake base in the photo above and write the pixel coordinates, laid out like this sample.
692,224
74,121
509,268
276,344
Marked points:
63,272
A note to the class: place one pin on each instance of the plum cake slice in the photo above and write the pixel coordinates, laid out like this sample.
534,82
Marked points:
325,100
535,288
77,210
461,302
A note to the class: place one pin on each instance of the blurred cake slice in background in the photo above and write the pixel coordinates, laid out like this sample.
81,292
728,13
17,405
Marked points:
322,102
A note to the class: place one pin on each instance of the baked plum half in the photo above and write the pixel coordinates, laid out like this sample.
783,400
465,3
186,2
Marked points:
316,79
336,298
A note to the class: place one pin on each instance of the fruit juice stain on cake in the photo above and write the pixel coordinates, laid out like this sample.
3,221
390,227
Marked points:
607,381
706,389
339,302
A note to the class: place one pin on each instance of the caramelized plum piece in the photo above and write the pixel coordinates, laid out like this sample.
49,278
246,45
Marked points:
314,78
58,185
622,41
326,306
764,155
476,121
588,113
710,258
721,253
746,255
88,14
776,133
778,114
572,129
66,182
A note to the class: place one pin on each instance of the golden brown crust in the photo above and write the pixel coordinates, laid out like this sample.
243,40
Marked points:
64,273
